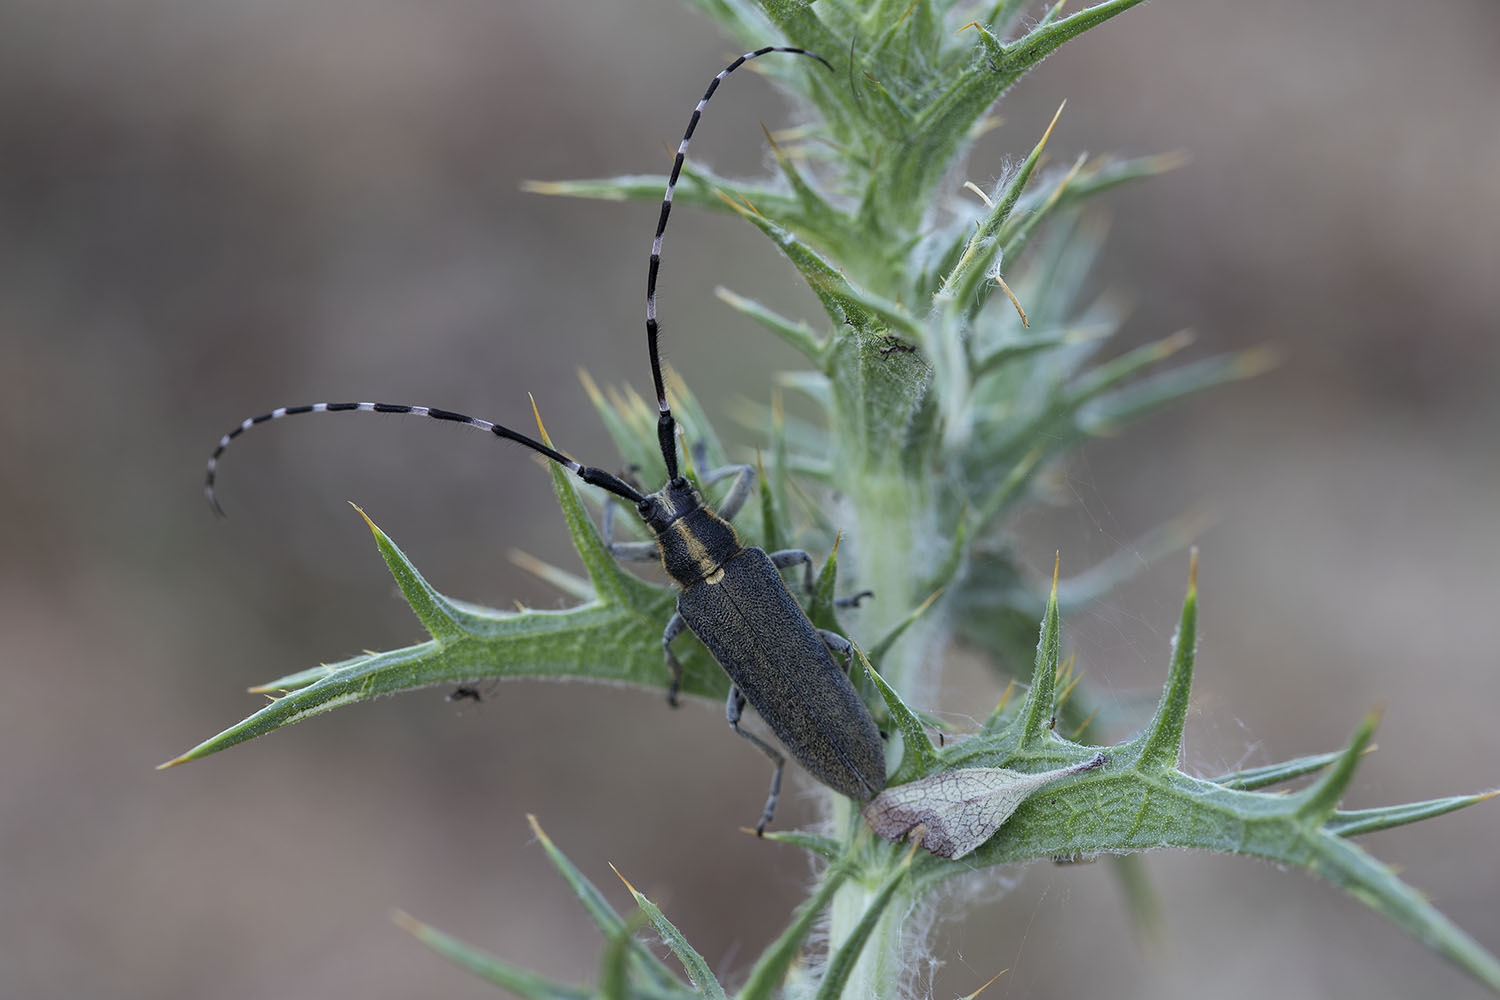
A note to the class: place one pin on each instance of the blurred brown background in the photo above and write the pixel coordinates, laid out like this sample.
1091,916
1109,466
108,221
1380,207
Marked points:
208,209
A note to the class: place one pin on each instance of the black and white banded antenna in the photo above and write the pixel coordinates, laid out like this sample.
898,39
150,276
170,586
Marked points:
666,425
590,475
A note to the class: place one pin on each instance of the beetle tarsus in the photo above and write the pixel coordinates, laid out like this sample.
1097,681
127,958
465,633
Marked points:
852,601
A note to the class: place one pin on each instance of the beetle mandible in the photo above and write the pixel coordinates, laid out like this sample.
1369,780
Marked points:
731,596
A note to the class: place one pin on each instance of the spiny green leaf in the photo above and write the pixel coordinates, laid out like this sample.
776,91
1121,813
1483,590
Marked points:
1108,413
698,187
1037,44
1274,774
1318,802
817,215
770,523
1094,583
1018,229
613,982
1018,350
604,916
919,757
1375,885
437,615
884,644
692,962
1354,822
1095,177
824,847
841,963
575,586
771,968
962,283
820,605
1094,382
618,641
624,415
798,334
1033,721
840,298
942,128
527,985
1161,743
611,582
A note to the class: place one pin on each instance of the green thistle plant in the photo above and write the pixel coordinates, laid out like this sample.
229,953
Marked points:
941,403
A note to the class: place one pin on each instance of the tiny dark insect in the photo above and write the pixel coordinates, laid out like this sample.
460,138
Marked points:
731,596
464,693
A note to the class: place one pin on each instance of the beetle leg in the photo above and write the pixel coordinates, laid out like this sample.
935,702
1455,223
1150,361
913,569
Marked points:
792,557
628,551
738,493
675,625
733,708
852,601
840,646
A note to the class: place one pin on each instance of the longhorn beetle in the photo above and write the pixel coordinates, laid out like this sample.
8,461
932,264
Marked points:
730,595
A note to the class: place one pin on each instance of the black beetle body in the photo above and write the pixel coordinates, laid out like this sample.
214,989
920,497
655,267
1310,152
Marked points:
733,599
732,596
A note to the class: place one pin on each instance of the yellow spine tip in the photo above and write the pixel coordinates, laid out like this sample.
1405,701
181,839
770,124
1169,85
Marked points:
931,599
729,201
971,24
1055,116
1258,361
622,878
971,186
687,453
172,763
361,512
1013,301
1176,342
987,985
407,922
1056,564
1193,568
772,140
546,439
590,387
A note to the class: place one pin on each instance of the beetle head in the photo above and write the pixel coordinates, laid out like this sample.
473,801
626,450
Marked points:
668,504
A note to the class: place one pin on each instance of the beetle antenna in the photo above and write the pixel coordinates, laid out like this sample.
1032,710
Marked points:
665,425
592,476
